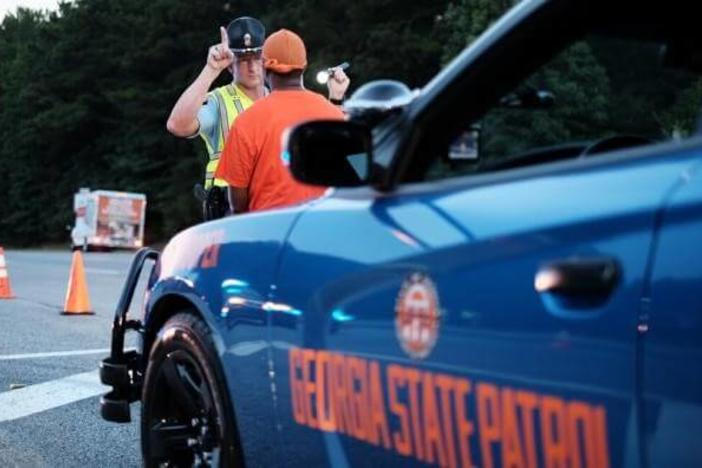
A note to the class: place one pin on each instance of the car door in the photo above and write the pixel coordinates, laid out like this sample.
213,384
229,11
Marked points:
420,335
671,329
497,319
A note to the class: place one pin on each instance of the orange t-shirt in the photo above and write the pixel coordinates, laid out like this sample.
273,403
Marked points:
252,156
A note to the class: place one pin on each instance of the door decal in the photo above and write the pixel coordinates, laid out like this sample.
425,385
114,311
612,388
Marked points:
417,316
444,419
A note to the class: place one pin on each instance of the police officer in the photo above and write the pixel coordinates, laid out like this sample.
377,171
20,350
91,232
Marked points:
239,51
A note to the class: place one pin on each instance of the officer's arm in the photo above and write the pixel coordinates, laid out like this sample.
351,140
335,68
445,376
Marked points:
239,199
183,119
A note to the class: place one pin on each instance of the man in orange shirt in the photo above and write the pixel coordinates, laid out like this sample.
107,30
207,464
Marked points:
252,161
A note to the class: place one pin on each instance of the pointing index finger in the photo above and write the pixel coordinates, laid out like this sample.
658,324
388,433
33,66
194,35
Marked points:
225,36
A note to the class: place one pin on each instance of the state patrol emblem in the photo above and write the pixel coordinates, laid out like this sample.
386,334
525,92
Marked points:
247,40
417,316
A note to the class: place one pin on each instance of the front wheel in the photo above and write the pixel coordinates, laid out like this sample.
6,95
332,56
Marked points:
187,418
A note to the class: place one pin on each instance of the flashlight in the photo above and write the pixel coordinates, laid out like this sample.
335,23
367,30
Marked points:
323,75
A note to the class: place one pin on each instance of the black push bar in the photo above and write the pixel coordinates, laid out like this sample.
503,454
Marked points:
120,324
122,370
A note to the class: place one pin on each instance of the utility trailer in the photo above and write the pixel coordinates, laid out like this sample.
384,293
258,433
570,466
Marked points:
108,219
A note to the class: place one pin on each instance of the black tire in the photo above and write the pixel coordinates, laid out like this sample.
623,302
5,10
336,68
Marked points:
186,416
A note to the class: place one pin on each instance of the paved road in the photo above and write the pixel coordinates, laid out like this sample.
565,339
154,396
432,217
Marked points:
54,419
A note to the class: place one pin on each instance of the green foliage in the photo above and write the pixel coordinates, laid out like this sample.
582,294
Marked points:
85,93
576,78
465,20
681,119
602,87
581,88
380,38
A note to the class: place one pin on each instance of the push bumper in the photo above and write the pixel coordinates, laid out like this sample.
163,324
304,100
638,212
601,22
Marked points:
122,370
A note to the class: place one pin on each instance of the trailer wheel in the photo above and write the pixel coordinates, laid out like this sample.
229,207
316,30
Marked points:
187,418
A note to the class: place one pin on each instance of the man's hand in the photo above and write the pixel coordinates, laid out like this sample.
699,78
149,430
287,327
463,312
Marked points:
220,55
338,83
238,199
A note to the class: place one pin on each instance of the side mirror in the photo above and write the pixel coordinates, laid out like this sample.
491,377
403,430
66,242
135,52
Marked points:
333,153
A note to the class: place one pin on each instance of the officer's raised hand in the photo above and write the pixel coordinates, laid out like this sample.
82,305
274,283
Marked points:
220,55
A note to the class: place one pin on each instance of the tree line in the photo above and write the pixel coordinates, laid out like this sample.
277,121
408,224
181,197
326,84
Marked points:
85,92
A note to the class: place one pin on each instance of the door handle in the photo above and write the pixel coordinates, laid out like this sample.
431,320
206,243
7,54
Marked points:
578,277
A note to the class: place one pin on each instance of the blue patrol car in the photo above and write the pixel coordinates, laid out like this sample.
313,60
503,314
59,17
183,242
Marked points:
507,273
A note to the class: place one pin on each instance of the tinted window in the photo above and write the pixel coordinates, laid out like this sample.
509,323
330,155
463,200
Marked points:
598,95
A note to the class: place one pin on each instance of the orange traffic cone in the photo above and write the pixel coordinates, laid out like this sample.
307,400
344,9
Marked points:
77,300
5,290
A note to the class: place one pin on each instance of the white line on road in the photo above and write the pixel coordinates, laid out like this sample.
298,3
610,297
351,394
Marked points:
12,357
26,401
104,271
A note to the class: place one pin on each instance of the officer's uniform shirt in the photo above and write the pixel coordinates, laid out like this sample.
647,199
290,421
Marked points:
208,117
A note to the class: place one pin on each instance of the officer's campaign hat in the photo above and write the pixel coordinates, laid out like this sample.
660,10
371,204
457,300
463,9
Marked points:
246,35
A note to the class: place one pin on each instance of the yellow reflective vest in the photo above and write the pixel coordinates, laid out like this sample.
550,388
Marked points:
231,101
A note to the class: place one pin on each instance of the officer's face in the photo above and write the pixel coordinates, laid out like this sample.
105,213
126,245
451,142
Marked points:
248,70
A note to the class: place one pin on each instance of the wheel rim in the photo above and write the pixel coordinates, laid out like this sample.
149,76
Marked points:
184,425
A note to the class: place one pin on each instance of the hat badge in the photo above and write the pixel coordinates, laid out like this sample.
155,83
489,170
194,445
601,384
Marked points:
247,40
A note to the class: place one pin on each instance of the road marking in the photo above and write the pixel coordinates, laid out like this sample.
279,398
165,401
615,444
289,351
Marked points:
104,271
41,397
12,357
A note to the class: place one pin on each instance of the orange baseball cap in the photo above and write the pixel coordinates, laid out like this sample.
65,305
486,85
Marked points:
284,51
